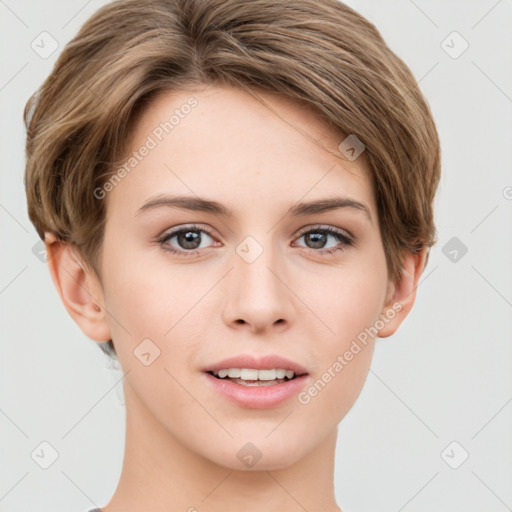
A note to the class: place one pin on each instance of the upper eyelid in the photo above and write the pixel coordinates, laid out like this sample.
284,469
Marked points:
322,227
175,231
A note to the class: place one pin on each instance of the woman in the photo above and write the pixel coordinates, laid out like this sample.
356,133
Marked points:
236,200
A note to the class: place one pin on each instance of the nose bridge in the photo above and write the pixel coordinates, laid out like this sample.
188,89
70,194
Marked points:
257,294
257,262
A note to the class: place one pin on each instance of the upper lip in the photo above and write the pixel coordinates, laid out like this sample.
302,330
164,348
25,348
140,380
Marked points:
259,363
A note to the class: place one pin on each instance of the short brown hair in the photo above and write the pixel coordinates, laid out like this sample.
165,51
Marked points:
318,52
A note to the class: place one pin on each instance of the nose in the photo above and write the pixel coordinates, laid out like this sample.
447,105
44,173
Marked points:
257,296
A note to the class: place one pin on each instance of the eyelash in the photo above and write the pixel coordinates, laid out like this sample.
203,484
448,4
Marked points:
341,236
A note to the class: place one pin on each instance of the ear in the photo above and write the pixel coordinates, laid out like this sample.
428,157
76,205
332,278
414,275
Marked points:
401,295
78,287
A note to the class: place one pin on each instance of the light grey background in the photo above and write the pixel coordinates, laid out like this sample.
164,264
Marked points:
445,376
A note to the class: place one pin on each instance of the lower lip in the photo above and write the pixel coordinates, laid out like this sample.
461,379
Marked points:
258,397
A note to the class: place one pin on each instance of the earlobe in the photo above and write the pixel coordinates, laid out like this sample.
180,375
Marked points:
78,288
401,295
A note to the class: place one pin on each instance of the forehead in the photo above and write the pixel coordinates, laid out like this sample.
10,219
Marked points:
237,146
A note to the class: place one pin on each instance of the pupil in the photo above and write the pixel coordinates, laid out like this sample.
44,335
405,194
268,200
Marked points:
189,239
316,237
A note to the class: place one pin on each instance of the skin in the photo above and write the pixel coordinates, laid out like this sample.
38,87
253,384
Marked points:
182,437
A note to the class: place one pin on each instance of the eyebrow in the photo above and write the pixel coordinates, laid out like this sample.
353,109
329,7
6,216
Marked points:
209,206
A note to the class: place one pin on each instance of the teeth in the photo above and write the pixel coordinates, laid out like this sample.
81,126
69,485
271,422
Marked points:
246,374
281,373
253,374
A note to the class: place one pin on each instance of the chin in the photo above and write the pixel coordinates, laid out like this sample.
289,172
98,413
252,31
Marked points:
264,455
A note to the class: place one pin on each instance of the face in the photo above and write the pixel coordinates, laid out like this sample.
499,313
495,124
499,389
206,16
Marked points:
186,288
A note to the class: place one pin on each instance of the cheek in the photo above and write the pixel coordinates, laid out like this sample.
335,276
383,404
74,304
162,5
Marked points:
342,360
138,295
350,299
348,308
147,302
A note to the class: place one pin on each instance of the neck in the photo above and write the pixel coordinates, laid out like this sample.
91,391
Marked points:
160,474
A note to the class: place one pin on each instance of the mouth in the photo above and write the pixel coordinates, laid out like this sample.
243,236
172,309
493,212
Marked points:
255,377
256,381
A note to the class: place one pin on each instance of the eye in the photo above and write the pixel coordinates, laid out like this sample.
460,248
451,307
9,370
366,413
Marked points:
318,237
189,240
